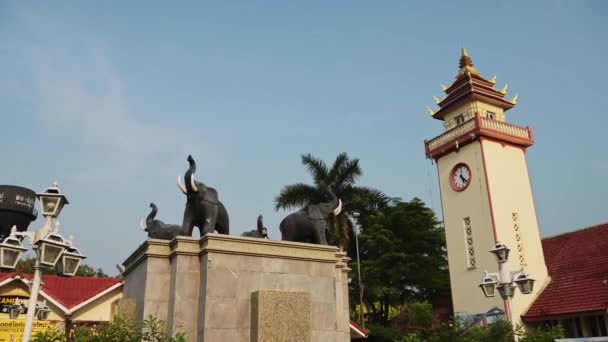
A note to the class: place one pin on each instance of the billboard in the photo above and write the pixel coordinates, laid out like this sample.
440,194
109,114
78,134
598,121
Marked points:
12,329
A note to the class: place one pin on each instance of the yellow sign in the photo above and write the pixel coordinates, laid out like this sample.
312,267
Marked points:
11,330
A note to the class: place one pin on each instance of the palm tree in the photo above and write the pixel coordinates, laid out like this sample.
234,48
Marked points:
343,174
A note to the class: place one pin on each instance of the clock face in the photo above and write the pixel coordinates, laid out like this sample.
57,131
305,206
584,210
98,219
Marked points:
460,177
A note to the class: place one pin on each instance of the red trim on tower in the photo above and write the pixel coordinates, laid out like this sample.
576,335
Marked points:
485,172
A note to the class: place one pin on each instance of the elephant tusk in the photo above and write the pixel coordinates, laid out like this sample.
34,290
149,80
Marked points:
181,187
142,225
193,183
338,208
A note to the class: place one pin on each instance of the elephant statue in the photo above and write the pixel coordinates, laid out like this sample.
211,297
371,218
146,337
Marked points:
157,229
261,232
203,207
309,224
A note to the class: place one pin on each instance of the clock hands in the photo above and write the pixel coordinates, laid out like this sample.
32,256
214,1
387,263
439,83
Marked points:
463,179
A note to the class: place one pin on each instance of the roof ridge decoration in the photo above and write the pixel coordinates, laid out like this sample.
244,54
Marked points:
469,85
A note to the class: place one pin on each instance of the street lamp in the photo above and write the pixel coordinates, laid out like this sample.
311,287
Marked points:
50,247
356,226
505,281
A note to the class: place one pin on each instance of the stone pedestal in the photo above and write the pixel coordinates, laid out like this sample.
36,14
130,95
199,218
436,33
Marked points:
227,288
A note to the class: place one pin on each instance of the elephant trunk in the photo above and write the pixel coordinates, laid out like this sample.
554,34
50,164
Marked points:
151,215
189,176
334,201
260,222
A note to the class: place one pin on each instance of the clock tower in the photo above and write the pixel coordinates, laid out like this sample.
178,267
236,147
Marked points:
485,192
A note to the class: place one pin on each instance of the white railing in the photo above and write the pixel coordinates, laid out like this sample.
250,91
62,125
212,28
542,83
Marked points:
504,127
483,124
451,134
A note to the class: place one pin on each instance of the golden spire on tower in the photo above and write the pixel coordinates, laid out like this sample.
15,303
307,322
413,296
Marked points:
466,63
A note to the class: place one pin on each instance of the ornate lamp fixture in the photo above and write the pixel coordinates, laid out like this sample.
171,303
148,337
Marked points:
501,251
70,261
524,282
52,200
11,250
488,285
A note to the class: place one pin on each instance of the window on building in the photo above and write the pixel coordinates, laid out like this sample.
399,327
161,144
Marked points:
519,240
597,325
459,119
468,236
490,115
572,327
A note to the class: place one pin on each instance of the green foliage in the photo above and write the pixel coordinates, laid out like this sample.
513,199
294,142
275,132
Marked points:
500,331
344,173
541,334
27,266
48,335
402,251
87,271
119,330
420,314
381,333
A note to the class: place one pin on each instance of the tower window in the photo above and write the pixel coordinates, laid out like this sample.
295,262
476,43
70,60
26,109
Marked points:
519,240
490,115
459,119
468,236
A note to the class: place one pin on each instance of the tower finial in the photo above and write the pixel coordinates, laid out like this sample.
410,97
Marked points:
463,52
466,63
465,60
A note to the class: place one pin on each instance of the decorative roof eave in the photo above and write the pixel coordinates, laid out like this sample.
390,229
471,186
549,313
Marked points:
475,95
469,84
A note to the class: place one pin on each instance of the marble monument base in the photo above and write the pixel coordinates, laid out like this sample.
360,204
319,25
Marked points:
238,289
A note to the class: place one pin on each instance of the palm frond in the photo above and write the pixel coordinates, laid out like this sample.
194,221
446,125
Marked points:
295,195
316,167
349,172
363,198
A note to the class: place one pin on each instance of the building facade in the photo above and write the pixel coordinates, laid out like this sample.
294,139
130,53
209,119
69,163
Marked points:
485,191
72,301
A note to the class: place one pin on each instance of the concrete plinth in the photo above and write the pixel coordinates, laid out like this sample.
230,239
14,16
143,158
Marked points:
227,288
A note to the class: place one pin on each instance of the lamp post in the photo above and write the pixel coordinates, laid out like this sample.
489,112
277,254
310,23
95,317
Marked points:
49,246
356,221
505,281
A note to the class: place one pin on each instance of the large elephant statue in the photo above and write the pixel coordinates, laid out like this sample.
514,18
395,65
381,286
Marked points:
309,224
261,232
203,207
157,229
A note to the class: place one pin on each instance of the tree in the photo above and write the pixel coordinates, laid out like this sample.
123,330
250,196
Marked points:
403,259
344,174
27,266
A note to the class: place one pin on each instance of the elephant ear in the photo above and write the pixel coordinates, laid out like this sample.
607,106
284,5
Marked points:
315,212
211,195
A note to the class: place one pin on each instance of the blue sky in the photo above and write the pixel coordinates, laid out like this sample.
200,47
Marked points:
110,97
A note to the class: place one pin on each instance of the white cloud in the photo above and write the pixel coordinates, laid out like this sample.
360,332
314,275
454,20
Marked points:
81,93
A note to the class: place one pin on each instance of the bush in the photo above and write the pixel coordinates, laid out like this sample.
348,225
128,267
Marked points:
119,330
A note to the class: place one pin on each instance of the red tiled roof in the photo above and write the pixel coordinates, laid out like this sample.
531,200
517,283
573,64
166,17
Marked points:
69,291
359,329
578,267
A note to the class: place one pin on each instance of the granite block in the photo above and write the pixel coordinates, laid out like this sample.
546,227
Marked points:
280,316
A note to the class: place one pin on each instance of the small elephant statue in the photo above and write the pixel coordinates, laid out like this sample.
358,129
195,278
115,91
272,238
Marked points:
203,207
309,224
157,229
261,232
